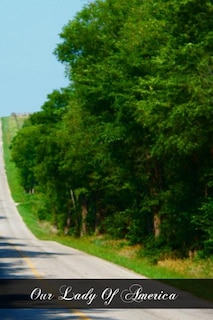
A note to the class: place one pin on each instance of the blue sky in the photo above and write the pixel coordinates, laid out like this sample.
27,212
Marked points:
29,33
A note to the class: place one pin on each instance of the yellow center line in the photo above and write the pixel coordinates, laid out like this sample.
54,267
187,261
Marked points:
78,313
29,263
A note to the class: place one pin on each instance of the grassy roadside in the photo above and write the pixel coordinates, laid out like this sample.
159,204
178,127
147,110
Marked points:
9,129
118,252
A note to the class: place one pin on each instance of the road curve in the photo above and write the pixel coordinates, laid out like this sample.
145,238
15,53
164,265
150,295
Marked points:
22,255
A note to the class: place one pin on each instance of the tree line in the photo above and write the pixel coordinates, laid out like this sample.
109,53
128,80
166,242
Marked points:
127,148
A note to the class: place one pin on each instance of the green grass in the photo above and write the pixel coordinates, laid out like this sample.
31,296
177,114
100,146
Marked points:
9,128
118,252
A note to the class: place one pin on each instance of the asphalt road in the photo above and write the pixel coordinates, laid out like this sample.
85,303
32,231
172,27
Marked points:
23,256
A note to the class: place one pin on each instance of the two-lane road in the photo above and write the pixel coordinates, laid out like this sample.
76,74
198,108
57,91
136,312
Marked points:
22,255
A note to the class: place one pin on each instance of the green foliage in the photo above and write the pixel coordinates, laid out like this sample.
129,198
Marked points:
127,148
117,225
203,222
154,250
24,154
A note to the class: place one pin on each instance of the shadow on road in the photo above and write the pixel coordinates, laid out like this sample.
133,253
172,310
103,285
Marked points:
55,314
12,266
12,252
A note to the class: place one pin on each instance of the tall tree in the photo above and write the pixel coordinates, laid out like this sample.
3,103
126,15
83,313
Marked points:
127,148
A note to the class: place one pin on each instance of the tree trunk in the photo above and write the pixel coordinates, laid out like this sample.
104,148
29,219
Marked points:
84,212
99,215
97,222
156,222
